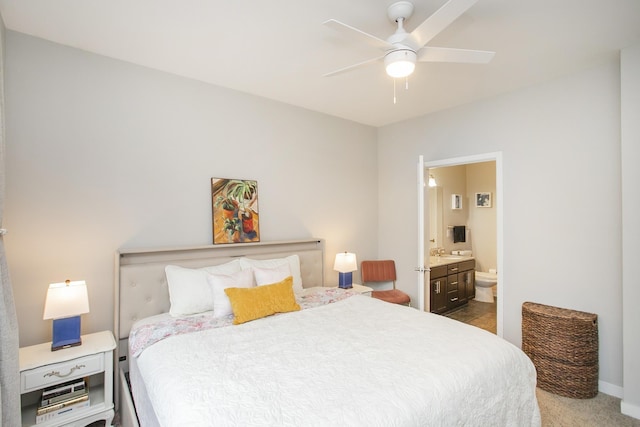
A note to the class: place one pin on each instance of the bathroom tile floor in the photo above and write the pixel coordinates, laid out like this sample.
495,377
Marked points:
476,313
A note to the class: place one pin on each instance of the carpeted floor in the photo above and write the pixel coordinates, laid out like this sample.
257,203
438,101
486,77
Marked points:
601,411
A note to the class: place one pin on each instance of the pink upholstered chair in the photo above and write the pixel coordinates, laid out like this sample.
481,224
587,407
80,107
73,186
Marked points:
383,271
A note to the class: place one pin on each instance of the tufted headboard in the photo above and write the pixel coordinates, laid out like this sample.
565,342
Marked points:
141,286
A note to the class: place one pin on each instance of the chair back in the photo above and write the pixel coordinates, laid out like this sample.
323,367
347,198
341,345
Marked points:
378,271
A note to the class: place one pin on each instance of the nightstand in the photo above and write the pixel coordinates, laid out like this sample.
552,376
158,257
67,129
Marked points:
40,368
364,290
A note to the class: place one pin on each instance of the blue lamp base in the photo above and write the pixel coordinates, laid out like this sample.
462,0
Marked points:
345,280
66,333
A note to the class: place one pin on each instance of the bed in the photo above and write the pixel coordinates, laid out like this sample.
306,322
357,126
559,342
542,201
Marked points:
341,358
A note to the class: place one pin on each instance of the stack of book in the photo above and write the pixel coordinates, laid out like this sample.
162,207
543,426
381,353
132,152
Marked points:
62,399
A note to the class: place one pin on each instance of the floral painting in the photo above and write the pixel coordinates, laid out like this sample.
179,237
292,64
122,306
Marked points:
235,211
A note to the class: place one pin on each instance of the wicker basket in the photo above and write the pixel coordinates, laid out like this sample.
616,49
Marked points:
563,346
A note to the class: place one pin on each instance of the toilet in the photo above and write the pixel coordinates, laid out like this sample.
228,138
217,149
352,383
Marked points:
484,286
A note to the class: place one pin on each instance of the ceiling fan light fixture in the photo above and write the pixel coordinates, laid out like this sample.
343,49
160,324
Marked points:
400,63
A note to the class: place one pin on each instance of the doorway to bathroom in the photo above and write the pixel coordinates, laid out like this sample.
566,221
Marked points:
464,191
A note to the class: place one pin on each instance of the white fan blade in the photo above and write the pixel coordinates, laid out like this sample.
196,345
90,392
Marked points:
354,66
447,54
368,38
440,20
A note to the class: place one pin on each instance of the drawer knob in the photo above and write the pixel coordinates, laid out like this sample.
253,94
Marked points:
59,375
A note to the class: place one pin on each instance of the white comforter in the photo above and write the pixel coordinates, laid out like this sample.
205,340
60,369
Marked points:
355,362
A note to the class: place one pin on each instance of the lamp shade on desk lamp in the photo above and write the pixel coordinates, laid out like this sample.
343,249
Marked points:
65,302
345,264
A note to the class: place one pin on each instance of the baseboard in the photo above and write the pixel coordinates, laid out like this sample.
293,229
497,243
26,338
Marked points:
630,410
617,391
610,389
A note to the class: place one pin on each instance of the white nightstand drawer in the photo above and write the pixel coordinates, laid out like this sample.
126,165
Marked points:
41,377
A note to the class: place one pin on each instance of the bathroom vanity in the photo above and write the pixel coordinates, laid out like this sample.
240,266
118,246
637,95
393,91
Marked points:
452,282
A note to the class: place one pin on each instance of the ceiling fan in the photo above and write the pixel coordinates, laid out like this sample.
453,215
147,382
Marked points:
402,49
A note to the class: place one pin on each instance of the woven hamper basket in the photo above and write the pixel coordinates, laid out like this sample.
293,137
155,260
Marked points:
563,346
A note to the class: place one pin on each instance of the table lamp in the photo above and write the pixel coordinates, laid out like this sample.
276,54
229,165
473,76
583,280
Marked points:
65,303
345,263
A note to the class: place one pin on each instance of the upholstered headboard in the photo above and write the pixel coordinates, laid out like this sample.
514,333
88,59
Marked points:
141,286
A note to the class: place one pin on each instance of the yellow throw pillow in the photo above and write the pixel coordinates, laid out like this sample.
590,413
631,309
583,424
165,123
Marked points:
262,301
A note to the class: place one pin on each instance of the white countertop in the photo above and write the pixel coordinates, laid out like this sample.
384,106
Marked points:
435,261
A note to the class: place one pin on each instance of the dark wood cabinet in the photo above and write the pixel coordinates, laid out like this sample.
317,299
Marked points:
466,279
438,286
454,291
469,280
451,286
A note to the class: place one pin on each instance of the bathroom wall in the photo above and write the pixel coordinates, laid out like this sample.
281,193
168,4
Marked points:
452,180
481,178
466,180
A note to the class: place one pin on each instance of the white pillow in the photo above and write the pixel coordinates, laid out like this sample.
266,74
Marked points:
294,266
268,276
227,268
189,291
220,282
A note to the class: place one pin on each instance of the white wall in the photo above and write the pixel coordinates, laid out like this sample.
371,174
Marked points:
630,85
562,218
102,154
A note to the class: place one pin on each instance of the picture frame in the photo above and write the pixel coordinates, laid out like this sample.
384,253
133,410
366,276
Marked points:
456,201
235,217
483,200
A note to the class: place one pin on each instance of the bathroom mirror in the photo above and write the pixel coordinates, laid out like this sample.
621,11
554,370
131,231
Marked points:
435,217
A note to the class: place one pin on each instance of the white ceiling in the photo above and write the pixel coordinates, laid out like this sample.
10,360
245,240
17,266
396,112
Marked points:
279,49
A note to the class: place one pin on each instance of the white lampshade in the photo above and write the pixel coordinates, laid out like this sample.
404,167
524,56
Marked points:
66,299
400,63
345,262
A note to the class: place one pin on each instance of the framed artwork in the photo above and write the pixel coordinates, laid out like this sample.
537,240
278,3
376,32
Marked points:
456,201
235,216
483,200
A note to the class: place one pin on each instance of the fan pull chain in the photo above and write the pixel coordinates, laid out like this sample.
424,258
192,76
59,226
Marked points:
406,87
394,91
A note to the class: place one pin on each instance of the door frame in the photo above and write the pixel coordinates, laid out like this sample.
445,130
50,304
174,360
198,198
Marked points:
498,203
